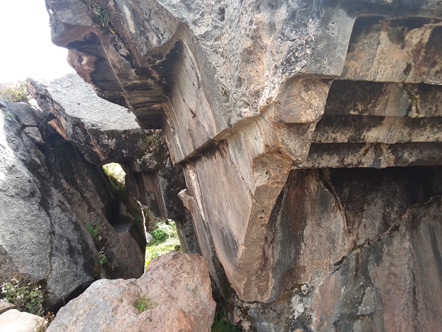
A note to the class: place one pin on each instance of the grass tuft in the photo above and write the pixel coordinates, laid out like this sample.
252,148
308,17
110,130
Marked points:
144,303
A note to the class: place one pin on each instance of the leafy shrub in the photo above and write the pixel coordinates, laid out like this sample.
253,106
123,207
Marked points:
25,296
221,324
159,234
14,92
166,240
94,231
163,230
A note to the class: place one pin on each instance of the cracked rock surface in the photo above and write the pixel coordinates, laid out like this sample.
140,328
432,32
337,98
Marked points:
49,193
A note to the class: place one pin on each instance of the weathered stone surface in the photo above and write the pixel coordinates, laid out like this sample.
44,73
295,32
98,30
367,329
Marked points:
81,117
16,321
5,306
250,93
331,248
49,194
176,290
104,132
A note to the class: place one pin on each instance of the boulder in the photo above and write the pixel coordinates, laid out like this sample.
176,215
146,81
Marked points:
5,306
16,321
174,294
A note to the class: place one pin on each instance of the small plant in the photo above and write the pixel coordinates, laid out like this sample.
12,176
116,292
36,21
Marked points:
14,92
149,139
221,324
102,258
101,17
94,231
25,296
150,256
144,303
159,234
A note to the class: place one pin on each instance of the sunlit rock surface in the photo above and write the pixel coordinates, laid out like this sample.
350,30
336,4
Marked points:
174,294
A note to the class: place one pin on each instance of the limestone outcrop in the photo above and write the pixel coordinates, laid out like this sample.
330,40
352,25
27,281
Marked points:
310,137
174,294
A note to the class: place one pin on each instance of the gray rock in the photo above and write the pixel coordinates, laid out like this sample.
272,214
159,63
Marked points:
78,99
48,195
151,177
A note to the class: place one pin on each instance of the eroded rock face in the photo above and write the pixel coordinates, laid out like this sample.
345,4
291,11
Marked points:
260,101
344,260
174,294
105,132
49,195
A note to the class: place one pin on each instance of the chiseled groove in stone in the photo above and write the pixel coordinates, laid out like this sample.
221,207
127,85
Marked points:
384,99
397,50
376,129
376,155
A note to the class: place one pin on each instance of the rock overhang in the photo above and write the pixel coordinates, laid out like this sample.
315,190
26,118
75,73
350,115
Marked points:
248,92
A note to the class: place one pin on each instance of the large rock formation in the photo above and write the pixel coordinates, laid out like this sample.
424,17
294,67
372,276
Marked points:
49,196
173,294
273,108
104,132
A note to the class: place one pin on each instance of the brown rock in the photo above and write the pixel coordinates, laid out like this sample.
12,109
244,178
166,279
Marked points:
174,294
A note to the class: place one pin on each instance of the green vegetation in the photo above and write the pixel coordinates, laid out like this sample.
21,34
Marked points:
116,176
14,92
149,139
144,303
94,231
102,258
101,16
115,171
100,245
25,296
221,324
166,240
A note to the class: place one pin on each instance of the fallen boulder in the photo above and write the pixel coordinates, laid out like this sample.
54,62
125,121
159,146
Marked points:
174,294
16,321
